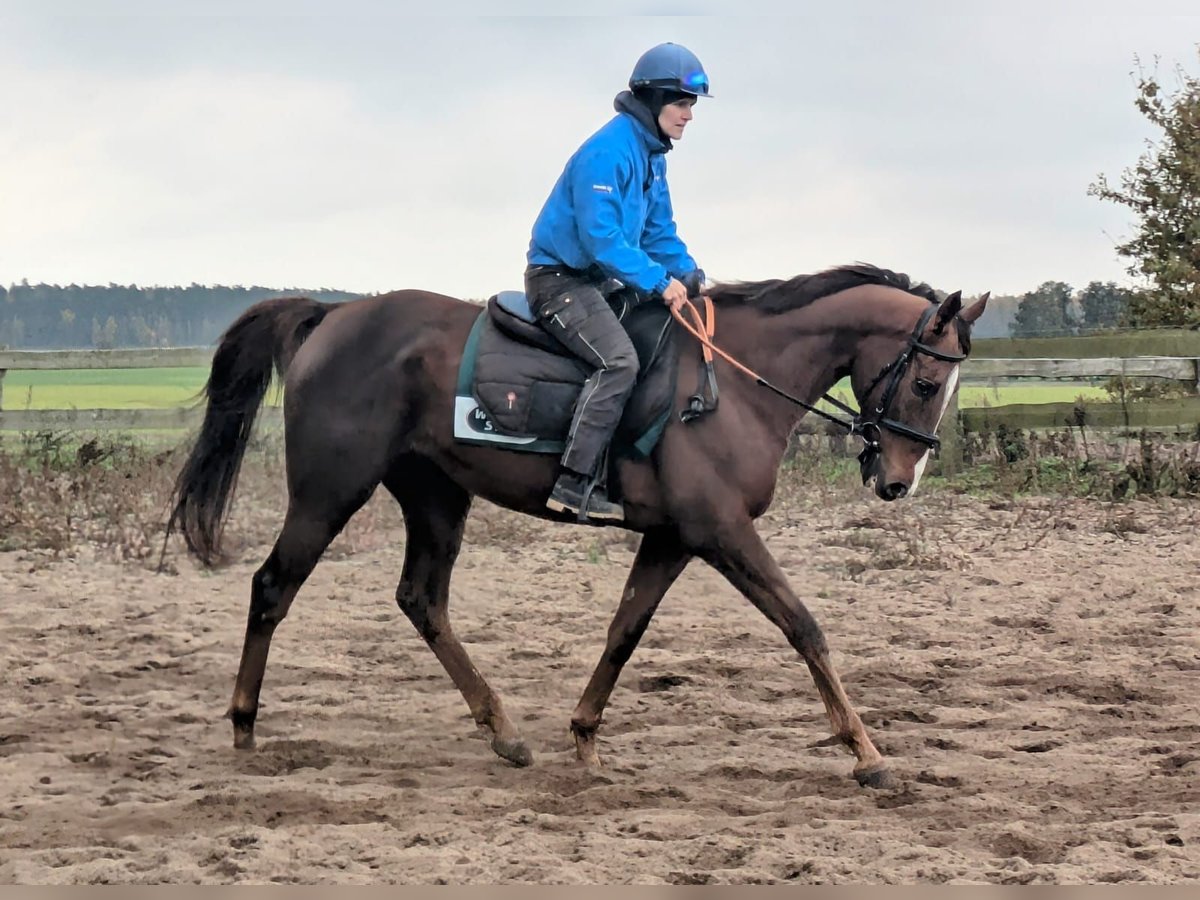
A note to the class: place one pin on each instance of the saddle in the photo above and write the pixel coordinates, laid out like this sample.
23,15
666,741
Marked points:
517,386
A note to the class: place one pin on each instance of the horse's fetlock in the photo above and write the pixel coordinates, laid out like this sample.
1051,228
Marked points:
850,739
243,719
585,728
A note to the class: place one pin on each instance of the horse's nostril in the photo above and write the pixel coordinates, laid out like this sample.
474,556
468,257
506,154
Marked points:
896,490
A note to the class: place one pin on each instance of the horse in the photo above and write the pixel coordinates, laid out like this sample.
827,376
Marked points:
368,385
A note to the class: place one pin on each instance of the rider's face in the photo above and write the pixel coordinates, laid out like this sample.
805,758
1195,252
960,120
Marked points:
674,117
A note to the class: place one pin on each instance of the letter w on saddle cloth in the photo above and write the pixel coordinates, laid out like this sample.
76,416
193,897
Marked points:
517,385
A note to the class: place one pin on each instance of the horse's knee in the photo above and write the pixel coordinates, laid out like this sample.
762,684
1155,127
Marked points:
407,599
415,605
806,636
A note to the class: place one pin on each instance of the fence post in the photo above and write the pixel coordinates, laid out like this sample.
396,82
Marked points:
952,438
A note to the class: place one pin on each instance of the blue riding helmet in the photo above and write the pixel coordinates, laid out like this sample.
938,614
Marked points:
673,67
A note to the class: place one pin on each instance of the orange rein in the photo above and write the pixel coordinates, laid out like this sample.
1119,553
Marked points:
703,330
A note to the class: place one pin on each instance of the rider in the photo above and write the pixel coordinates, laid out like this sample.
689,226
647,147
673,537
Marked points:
609,216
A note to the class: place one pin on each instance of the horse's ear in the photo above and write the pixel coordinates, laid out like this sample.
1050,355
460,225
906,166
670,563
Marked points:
975,310
947,311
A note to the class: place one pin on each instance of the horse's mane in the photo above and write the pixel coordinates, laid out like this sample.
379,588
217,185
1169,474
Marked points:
776,295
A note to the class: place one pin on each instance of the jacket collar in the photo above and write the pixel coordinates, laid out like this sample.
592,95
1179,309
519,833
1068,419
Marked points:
628,104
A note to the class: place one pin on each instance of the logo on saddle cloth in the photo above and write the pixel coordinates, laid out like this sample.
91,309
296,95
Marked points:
517,386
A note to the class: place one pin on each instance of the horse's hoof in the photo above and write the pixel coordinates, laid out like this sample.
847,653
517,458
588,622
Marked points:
243,740
590,759
513,750
877,777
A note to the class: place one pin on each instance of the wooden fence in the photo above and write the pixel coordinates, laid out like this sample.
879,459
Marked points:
1170,355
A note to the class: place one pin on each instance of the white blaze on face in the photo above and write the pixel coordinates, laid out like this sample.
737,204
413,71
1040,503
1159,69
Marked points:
951,385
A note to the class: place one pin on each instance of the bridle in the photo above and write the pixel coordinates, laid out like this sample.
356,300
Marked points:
868,427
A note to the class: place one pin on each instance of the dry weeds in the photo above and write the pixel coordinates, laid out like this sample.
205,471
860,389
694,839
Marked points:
67,495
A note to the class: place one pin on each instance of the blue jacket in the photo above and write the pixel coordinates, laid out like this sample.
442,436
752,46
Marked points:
611,207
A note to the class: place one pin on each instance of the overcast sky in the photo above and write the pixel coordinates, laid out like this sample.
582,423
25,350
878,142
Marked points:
370,151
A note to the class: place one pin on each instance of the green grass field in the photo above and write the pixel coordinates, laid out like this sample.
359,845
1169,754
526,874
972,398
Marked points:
163,388
973,394
1029,392
103,388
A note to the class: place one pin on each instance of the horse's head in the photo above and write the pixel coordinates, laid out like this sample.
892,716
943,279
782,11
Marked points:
904,390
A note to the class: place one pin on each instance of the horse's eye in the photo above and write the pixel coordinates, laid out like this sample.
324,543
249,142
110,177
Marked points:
925,388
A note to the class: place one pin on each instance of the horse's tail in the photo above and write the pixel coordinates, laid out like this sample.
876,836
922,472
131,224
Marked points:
265,337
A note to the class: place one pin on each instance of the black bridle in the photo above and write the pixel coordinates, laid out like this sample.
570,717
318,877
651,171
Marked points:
871,427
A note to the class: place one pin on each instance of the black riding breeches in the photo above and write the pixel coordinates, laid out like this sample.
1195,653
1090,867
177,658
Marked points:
571,308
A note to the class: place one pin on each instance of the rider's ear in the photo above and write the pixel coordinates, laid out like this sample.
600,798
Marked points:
947,311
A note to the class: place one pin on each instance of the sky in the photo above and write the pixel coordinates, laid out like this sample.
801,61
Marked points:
288,145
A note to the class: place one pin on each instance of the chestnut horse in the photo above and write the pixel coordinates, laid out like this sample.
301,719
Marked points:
369,393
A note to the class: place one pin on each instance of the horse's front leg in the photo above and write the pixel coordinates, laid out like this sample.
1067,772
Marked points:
740,555
660,559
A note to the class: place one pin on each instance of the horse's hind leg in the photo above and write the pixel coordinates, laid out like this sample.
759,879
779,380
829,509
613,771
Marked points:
741,556
660,559
435,512
305,534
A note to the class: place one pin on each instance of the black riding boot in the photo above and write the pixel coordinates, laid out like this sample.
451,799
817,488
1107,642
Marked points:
582,496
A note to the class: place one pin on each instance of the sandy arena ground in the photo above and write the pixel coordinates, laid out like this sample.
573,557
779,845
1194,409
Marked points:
1031,668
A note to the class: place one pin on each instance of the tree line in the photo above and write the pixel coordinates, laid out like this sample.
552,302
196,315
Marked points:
1054,309
52,317
55,317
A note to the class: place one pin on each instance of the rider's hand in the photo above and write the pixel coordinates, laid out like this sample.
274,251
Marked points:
675,295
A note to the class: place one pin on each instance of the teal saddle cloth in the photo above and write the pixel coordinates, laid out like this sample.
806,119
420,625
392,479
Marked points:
517,386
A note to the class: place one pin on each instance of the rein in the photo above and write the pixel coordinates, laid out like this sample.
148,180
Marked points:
868,428
703,332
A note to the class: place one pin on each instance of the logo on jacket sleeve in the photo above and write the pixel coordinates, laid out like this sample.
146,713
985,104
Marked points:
603,188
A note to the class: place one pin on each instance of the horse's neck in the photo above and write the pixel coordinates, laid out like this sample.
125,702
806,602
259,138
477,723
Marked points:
801,352
806,351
